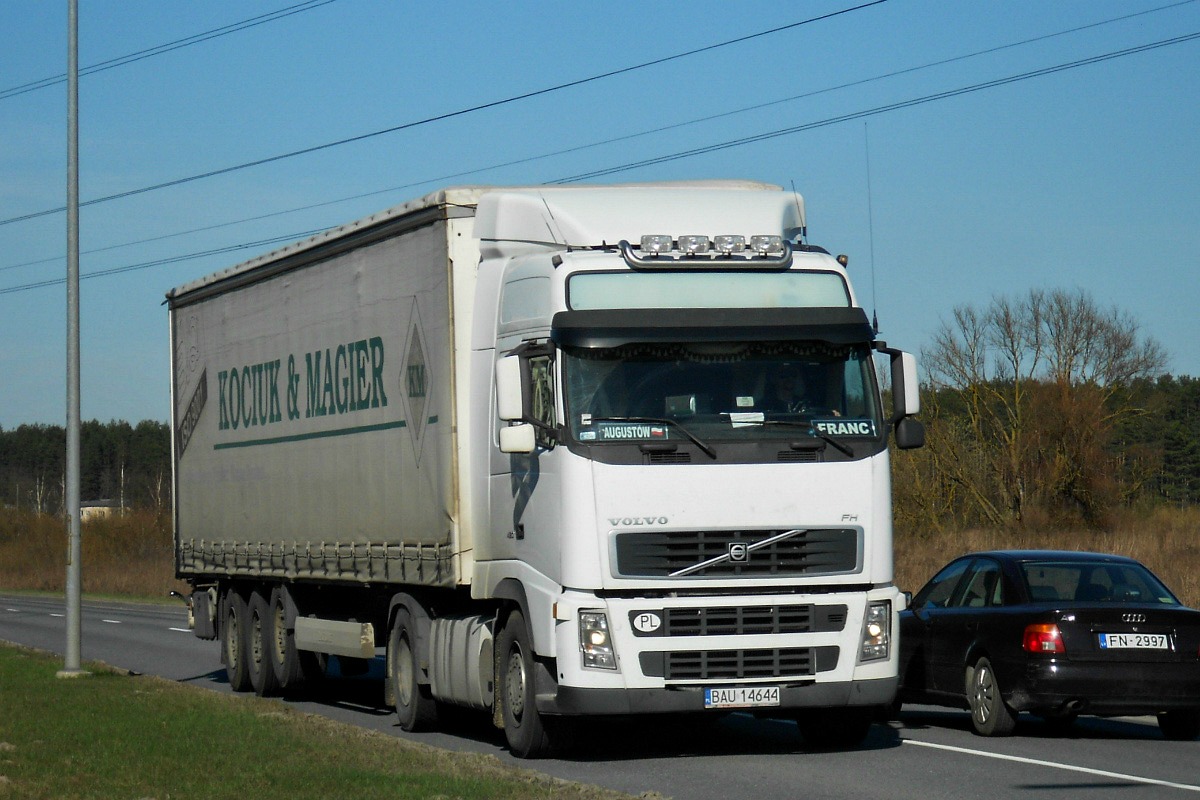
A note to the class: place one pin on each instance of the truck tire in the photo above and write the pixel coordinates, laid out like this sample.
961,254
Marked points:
261,643
234,636
286,660
524,728
415,706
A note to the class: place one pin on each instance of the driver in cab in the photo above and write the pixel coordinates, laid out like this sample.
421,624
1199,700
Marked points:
788,393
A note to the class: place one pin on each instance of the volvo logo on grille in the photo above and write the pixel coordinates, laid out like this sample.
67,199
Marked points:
739,552
1133,618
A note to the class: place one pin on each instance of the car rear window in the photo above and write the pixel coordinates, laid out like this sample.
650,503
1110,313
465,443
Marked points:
1094,582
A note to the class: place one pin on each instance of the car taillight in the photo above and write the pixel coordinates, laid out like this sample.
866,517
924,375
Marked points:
1043,639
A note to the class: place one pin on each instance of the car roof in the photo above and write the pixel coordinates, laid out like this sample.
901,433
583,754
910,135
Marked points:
1051,555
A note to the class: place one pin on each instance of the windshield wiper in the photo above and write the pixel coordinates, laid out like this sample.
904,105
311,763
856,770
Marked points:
811,429
711,453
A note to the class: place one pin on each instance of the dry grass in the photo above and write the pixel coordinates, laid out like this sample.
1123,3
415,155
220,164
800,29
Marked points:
130,554
1164,539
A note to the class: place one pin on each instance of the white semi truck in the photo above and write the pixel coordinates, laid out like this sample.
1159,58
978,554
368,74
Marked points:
555,452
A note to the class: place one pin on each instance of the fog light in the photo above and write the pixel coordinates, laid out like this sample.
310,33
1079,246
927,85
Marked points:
654,245
766,245
693,245
876,638
594,641
729,244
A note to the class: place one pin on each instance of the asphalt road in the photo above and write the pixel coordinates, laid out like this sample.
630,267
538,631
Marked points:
928,753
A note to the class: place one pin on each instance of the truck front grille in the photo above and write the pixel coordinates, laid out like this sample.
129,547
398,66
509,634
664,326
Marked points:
751,553
753,620
730,665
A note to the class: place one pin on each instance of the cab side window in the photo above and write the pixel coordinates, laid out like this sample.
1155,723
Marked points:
542,394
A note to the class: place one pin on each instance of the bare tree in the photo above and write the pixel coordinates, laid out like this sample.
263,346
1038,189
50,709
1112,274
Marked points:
1028,392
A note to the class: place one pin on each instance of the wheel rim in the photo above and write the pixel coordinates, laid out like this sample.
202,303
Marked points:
985,689
280,638
231,640
257,651
514,685
404,673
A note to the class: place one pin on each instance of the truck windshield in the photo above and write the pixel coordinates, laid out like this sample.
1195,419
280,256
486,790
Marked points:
720,392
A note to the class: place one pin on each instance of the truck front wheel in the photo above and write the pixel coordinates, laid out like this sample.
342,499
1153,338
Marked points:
415,706
525,729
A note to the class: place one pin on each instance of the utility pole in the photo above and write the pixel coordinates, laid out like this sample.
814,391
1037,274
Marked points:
71,666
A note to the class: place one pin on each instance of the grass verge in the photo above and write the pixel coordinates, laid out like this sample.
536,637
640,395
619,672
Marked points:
111,735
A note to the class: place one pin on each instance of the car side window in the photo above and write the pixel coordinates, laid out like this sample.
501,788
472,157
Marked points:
984,586
940,589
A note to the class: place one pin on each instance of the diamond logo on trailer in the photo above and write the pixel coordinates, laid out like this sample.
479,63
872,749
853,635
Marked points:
415,382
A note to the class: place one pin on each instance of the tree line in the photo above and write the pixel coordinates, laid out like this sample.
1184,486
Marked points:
1047,410
1040,410
126,465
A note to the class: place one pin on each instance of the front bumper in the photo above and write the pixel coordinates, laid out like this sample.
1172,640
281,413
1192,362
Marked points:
573,700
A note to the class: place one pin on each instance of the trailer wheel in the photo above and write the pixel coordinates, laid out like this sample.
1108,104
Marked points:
414,704
261,643
524,728
234,641
286,661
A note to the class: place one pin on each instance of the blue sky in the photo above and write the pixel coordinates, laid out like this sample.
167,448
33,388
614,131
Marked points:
1087,177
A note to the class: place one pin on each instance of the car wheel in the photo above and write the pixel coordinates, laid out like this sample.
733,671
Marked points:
990,715
835,728
1181,726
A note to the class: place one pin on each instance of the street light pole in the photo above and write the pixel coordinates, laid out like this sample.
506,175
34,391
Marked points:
71,666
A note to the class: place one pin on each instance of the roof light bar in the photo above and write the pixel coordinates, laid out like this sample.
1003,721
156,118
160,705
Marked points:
694,251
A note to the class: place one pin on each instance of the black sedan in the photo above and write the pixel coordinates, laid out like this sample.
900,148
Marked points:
1057,634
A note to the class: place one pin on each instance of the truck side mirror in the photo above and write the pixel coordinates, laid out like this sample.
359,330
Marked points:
521,438
510,397
906,388
510,407
910,433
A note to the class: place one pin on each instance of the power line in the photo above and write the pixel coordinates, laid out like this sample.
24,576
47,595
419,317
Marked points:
163,261
699,150
442,117
168,47
613,140
760,137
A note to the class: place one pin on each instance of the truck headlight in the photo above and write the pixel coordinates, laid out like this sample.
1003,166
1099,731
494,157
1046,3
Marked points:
876,633
595,642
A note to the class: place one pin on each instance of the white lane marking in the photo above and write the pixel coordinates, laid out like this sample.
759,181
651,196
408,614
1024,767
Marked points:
57,615
181,630
14,610
1055,765
112,621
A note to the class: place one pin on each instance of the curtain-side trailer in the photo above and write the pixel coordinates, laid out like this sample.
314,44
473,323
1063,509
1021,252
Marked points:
554,453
